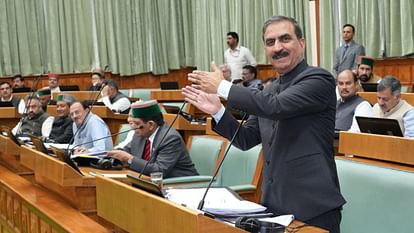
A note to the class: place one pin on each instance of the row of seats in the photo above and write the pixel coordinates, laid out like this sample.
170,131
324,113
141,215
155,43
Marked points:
141,93
379,199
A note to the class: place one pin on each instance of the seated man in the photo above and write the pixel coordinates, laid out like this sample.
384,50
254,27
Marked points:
113,99
53,81
45,97
350,104
390,105
226,72
97,79
155,143
61,127
365,70
18,81
250,80
6,93
34,121
91,134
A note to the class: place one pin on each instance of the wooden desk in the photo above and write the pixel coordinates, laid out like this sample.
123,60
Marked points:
25,207
167,95
150,213
79,95
209,130
10,156
371,97
9,116
185,126
386,148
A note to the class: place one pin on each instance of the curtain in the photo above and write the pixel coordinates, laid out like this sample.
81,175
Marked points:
384,27
132,36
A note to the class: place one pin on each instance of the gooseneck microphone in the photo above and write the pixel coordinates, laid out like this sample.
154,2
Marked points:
153,158
201,203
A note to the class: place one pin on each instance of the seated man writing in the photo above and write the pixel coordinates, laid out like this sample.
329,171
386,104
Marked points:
155,143
390,105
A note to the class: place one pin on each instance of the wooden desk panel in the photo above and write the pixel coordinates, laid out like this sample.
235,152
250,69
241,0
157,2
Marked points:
167,95
387,148
25,207
371,97
79,95
9,116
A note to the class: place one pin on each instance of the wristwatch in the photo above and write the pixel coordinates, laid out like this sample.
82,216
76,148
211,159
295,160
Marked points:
129,162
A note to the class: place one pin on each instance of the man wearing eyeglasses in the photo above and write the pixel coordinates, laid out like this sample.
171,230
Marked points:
154,143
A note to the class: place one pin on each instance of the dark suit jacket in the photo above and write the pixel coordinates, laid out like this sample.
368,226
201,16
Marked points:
350,60
296,129
171,156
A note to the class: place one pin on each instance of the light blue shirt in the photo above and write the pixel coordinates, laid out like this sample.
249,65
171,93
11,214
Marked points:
408,120
94,134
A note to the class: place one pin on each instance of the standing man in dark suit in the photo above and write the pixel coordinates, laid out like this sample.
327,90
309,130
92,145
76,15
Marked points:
293,118
168,155
346,56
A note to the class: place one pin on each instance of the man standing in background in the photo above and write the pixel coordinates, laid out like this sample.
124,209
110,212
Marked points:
237,56
346,56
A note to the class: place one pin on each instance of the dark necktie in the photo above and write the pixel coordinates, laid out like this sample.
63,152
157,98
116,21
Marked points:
147,150
345,48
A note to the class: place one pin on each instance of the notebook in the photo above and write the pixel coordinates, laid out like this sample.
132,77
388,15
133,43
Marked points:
381,126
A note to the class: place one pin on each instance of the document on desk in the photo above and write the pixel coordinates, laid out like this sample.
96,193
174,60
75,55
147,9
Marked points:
219,201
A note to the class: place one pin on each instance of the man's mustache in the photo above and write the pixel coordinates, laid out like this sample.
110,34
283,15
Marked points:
281,54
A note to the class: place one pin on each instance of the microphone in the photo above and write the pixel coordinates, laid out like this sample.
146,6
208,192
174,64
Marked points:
32,93
201,203
107,136
153,158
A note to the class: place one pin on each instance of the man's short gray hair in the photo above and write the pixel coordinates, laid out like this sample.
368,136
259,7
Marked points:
391,82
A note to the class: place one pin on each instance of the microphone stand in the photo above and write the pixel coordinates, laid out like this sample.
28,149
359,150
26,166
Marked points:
152,158
201,203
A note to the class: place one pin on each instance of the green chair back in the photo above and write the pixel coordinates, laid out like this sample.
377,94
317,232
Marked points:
142,93
238,167
379,199
204,152
121,137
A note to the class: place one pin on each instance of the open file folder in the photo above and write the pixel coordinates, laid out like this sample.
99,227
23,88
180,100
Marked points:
219,201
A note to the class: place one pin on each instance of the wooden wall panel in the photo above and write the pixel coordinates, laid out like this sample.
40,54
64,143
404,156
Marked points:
402,68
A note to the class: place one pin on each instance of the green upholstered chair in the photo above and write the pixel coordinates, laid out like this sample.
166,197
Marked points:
125,91
121,137
241,171
204,152
379,199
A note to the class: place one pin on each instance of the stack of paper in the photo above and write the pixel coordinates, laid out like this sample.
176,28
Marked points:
219,201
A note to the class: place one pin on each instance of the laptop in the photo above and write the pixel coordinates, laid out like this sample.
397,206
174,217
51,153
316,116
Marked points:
6,104
146,185
6,131
69,88
169,85
381,126
171,109
22,90
369,87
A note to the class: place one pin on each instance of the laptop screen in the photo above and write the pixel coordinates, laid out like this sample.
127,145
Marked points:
381,126
369,87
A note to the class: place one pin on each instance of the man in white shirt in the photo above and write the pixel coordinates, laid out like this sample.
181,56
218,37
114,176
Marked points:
237,56
349,104
113,99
